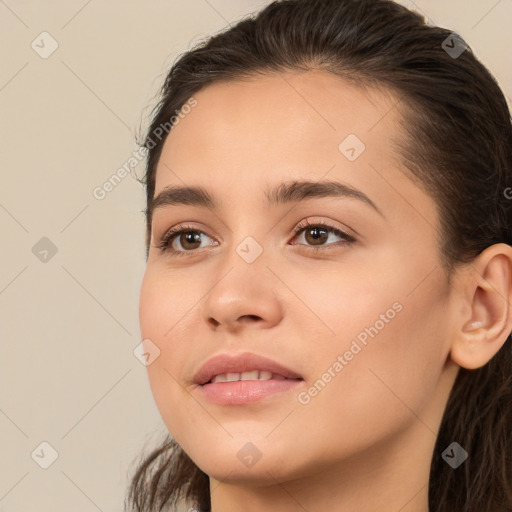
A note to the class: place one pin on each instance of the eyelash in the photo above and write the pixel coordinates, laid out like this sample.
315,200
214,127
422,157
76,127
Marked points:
165,243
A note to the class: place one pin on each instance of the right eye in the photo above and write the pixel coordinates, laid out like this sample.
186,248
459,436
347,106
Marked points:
183,235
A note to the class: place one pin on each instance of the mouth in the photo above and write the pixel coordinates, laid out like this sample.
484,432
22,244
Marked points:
243,378
250,375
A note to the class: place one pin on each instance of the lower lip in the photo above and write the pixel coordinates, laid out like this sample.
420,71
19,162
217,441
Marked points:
245,391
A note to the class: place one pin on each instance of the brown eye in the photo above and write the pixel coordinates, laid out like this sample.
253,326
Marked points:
187,237
316,235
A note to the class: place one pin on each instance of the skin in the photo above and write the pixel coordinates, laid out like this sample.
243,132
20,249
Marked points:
366,440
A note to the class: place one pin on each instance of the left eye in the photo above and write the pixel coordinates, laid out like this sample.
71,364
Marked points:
318,233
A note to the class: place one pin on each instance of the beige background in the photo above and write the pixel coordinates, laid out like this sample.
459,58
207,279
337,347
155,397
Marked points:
69,325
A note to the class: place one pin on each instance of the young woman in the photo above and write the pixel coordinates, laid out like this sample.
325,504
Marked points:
329,271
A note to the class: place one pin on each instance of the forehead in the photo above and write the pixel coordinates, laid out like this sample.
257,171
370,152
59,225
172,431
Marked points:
278,123
245,138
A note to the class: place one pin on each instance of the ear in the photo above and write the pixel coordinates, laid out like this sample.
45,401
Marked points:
486,320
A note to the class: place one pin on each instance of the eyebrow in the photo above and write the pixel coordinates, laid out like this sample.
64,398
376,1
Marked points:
287,192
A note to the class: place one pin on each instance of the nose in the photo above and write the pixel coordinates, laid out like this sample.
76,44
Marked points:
244,297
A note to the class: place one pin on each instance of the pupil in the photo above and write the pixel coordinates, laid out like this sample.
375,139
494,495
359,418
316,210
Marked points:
317,233
191,237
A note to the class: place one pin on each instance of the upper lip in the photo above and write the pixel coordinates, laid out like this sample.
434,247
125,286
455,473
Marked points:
239,363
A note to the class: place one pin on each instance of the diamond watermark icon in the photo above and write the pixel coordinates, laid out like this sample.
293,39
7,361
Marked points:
146,352
44,455
454,455
249,454
44,250
454,45
351,147
249,250
44,45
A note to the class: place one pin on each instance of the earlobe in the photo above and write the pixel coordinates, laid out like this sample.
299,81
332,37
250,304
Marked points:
488,321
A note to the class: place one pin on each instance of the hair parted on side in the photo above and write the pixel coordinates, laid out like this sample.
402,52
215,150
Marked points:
455,141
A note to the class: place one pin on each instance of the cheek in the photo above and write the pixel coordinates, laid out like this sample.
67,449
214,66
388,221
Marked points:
160,312
169,316
393,348
156,311
167,302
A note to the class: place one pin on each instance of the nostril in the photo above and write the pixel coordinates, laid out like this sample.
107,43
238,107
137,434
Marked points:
249,317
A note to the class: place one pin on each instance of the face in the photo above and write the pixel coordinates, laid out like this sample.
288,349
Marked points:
344,289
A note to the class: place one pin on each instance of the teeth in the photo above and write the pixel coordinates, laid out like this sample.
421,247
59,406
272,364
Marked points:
252,375
249,375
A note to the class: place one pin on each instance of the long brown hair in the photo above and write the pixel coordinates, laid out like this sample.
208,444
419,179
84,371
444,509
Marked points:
456,141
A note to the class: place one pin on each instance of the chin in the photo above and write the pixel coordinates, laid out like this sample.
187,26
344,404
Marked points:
259,463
